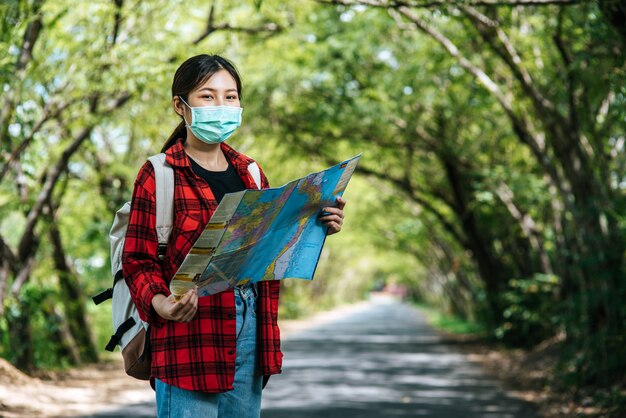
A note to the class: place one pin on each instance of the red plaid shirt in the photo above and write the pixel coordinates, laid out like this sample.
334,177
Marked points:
199,355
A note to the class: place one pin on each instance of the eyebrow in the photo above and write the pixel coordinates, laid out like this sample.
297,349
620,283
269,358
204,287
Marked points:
210,89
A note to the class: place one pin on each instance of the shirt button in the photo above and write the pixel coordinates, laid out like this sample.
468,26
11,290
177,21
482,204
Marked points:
231,316
231,351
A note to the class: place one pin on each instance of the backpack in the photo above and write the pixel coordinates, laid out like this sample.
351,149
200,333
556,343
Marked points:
131,333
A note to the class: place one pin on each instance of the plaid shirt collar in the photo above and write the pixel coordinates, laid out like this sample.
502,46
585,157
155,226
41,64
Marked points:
177,157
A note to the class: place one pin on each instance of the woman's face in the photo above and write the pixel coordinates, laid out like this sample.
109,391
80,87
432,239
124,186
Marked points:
219,90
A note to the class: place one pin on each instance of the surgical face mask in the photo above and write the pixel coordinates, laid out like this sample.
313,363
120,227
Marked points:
214,124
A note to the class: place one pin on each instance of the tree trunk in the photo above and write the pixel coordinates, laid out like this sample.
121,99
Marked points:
21,339
67,346
73,300
493,273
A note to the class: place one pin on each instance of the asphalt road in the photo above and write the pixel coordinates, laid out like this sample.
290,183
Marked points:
380,361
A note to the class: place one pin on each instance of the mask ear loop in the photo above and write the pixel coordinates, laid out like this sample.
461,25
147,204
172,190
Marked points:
187,124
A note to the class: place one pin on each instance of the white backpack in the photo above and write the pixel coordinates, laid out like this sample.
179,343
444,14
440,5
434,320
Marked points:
131,333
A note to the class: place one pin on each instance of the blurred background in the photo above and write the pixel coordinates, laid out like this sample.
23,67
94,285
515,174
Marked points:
492,185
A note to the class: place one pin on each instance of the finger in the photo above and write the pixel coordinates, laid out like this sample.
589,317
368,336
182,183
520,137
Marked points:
333,228
190,308
190,297
184,317
184,299
192,303
186,296
332,211
341,202
332,218
190,315
194,300
177,306
183,313
175,310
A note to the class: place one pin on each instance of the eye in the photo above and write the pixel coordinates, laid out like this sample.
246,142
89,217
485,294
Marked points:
207,96
231,97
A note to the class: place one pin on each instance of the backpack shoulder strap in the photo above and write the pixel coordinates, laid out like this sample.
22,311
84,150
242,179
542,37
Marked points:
255,172
164,179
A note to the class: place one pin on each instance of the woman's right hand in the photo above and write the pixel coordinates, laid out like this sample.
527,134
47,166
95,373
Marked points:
181,310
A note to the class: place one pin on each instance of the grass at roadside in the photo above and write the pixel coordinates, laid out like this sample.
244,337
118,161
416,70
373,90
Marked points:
449,323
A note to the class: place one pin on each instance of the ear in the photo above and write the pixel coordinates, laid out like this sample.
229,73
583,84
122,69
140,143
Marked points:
178,106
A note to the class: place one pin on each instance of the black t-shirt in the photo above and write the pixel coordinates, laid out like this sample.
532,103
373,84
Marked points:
220,182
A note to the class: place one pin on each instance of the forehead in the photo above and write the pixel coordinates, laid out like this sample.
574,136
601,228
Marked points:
221,80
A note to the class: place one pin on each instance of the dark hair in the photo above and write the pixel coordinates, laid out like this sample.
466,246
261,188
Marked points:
192,73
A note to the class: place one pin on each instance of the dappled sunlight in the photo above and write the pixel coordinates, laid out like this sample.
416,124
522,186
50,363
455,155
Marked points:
381,361
491,189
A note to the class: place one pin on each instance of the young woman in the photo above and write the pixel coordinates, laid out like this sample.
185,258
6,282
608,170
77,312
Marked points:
212,355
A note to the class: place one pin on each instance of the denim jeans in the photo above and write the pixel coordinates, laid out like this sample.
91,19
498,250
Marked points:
244,401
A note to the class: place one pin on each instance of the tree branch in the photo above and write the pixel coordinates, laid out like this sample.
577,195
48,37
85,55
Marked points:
413,195
117,20
51,179
19,264
567,61
5,272
31,35
431,4
7,256
575,99
526,223
24,271
571,147
500,43
50,111
521,125
212,27
405,187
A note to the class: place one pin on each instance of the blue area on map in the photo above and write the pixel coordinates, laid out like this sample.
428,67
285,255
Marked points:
282,227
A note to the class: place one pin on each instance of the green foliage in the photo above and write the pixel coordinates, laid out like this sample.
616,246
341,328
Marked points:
100,321
613,401
532,311
451,199
44,328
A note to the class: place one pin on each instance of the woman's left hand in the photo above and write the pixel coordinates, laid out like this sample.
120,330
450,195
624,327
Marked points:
333,218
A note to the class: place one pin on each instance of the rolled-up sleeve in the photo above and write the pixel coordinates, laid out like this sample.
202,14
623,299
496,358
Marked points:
141,266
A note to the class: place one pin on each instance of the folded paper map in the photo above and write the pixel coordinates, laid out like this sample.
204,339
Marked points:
269,234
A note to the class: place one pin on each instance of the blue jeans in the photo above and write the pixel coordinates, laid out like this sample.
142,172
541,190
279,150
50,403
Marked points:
244,401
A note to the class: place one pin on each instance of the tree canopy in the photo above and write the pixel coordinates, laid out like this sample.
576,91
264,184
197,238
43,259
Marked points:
493,178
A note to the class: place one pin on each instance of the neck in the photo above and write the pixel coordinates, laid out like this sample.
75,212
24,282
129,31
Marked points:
209,156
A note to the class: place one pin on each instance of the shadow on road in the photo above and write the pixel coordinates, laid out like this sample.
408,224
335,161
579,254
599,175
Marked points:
382,361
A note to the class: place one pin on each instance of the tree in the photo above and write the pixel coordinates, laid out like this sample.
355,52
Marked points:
527,77
70,73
